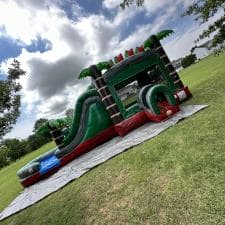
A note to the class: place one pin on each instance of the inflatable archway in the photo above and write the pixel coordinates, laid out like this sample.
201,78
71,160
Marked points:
151,97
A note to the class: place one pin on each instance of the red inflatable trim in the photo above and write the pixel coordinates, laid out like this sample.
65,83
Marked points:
119,57
133,122
88,145
140,49
182,94
166,111
130,52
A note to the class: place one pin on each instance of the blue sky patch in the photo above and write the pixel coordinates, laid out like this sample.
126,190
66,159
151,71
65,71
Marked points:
41,45
10,48
91,6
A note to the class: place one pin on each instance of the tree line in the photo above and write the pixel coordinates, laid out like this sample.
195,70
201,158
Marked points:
13,149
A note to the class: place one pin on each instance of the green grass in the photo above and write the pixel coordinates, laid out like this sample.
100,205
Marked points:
176,178
9,183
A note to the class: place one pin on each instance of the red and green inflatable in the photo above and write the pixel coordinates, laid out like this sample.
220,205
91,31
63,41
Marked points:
139,87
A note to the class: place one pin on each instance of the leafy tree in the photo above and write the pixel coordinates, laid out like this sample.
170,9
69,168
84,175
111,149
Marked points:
127,3
35,141
193,49
69,112
188,60
16,148
10,98
203,10
4,156
13,149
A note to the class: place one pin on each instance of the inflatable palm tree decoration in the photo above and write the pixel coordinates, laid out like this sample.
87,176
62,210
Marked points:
153,42
149,43
103,90
100,66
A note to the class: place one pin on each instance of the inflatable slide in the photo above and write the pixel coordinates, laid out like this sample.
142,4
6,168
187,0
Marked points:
126,93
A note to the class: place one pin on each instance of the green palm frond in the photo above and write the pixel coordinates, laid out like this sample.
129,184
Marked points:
160,35
84,73
103,65
42,129
100,66
163,34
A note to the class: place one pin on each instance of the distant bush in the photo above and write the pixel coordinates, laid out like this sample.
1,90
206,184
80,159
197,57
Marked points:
16,148
13,149
4,156
35,141
188,60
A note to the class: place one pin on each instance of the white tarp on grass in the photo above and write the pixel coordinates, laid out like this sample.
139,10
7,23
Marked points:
81,165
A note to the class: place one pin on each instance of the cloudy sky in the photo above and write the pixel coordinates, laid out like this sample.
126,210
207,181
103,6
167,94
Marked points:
55,39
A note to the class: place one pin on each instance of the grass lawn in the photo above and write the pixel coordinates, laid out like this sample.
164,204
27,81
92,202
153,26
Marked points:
176,178
9,183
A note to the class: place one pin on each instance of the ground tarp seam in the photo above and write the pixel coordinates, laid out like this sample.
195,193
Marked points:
81,165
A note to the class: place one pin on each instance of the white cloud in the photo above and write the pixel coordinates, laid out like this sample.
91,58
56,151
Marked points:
51,86
110,4
156,5
161,12
182,42
21,24
22,129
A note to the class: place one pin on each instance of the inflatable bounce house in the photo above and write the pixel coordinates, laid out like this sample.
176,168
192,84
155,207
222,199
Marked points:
136,88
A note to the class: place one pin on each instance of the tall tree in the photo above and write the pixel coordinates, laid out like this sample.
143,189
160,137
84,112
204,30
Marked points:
16,148
188,60
69,112
10,98
203,10
127,3
35,141
4,156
